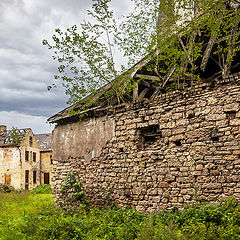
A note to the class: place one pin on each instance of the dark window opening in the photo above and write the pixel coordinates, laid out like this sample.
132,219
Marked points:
26,179
26,156
178,143
51,160
148,137
120,149
34,157
231,114
212,84
30,140
215,138
204,87
191,115
46,178
34,176
238,156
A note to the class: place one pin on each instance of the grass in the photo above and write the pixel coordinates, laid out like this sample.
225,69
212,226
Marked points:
15,207
33,216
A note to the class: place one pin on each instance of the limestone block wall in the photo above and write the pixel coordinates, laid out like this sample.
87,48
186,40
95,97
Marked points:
173,150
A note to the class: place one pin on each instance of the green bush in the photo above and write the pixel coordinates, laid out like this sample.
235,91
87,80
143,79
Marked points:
42,189
6,189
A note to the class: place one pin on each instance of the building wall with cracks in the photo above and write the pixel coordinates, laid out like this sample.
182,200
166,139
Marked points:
178,148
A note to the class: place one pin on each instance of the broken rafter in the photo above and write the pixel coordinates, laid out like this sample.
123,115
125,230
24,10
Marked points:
212,40
135,91
147,77
165,80
186,60
228,62
167,77
132,72
143,93
207,53
145,83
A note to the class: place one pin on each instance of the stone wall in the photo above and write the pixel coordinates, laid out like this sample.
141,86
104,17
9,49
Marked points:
173,150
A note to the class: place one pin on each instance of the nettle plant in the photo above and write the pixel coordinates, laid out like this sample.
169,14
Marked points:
72,190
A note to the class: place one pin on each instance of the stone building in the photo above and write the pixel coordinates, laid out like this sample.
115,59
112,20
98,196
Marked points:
19,158
174,149
44,141
166,138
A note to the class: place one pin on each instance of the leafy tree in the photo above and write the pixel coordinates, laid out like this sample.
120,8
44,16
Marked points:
174,38
15,135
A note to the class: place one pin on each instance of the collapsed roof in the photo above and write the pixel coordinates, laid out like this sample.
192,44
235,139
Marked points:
149,83
13,138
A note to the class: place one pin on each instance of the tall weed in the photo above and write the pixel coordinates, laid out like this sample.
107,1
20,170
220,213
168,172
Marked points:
34,216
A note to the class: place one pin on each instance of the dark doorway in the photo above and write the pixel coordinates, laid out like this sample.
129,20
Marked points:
26,179
34,177
46,178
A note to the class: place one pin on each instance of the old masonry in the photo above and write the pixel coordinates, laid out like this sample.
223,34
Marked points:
158,153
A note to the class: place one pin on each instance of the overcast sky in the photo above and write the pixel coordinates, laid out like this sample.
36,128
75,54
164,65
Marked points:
26,66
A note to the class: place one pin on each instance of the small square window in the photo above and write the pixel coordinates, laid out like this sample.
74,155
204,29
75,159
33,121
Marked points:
148,137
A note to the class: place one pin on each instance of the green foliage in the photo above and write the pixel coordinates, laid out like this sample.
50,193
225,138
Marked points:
42,189
86,58
170,33
33,216
6,189
15,135
72,191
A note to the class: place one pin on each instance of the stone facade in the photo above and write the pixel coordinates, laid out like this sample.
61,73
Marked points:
20,164
44,141
159,153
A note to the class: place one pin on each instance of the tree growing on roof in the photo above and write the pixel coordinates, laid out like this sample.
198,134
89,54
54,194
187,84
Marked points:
15,135
170,44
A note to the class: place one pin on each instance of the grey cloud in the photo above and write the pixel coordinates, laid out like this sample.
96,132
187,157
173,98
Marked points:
15,119
26,66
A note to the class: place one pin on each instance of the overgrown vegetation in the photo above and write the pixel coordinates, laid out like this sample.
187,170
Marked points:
42,189
33,216
15,135
72,192
176,42
6,189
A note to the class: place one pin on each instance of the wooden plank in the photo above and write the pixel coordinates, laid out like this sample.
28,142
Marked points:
167,77
135,91
145,83
207,53
147,77
143,93
228,61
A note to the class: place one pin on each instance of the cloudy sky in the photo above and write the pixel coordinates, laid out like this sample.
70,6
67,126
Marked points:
26,67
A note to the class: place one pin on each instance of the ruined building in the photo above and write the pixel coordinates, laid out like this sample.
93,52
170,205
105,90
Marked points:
19,158
173,140
168,151
25,158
